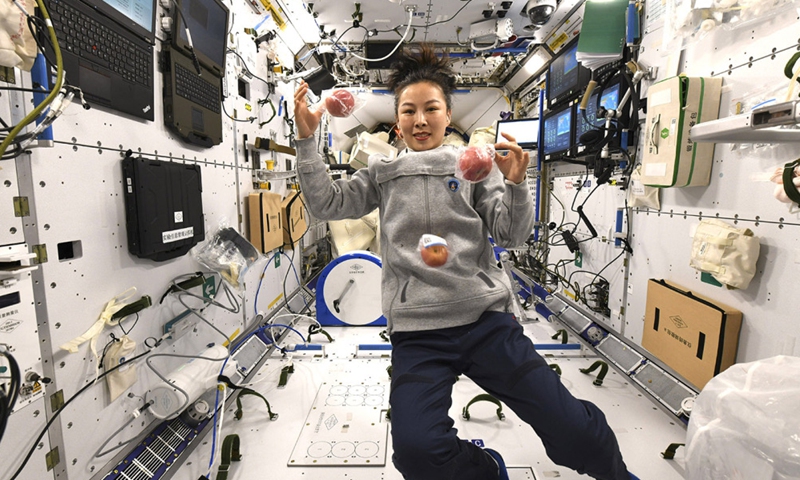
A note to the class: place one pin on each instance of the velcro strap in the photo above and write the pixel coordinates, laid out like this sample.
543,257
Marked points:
788,184
484,397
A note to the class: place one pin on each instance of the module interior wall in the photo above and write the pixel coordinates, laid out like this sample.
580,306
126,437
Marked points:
601,209
750,61
78,193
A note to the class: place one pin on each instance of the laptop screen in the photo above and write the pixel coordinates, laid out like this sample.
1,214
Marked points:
138,11
525,131
207,21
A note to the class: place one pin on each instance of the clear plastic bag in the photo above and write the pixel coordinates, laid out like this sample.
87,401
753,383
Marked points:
340,102
475,163
745,423
227,253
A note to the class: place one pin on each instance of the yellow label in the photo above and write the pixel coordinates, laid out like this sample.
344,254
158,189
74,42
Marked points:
248,107
276,16
277,299
569,294
560,40
234,335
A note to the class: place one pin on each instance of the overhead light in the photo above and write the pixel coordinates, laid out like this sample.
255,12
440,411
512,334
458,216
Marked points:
531,67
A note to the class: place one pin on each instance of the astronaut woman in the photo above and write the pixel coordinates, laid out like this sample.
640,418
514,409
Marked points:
453,319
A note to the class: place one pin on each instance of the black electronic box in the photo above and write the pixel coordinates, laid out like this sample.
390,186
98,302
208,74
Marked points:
163,207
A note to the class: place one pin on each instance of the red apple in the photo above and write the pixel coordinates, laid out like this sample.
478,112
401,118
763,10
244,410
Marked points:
433,250
475,164
340,103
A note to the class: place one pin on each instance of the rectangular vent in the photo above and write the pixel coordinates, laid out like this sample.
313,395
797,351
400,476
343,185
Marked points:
663,386
620,354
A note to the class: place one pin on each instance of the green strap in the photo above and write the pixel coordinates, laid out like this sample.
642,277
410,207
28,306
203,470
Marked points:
788,185
389,414
562,333
230,453
788,70
389,371
556,368
132,308
246,391
484,397
384,336
285,371
600,376
314,329
669,453
195,281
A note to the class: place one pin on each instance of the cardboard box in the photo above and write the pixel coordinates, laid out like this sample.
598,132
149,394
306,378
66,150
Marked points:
694,335
674,106
266,220
294,213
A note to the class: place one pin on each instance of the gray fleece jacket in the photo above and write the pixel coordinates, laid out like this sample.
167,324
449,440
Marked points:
417,193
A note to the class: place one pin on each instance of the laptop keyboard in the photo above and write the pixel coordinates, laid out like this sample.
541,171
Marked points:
84,36
189,85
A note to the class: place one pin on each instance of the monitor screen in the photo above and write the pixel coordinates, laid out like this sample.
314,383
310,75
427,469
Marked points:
525,131
558,131
138,11
207,21
563,71
608,100
566,78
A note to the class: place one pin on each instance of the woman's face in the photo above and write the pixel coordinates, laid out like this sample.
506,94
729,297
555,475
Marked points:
422,116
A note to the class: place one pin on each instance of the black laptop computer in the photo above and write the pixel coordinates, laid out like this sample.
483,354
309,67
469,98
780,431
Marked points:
192,99
107,50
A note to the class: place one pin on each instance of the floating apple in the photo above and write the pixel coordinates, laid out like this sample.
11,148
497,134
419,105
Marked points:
433,250
340,103
475,163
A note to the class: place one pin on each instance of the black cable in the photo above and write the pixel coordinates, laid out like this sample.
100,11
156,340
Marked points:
246,68
432,24
294,247
9,399
58,412
132,327
21,89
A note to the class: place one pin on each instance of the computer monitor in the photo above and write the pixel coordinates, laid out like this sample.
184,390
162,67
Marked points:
609,99
525,131
566,78
558,133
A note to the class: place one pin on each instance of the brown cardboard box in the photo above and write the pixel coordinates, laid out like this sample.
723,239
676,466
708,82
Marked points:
266,220
294,212
696,336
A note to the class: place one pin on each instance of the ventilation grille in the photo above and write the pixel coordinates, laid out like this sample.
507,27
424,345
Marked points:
575,320
620,354
151,458
663,386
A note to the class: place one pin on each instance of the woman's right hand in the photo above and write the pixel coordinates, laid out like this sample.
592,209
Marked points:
306,120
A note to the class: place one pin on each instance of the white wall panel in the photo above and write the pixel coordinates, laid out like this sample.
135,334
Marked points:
750,60
21,432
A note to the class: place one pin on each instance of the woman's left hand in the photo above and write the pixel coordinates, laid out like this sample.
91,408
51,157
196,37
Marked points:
514,163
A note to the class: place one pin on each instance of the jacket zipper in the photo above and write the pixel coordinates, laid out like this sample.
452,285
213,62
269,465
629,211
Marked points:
427,208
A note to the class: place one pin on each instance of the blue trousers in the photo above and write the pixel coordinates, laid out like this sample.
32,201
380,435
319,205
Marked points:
499,358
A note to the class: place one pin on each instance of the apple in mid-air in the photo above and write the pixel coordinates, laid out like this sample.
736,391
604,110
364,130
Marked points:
340,103
475,163
433,250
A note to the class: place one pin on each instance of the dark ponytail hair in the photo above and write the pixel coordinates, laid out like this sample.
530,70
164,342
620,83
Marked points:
425,66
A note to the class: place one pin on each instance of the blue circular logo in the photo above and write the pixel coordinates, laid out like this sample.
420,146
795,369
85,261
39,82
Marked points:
453,184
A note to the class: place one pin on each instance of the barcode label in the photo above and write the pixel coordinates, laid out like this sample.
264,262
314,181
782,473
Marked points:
175,235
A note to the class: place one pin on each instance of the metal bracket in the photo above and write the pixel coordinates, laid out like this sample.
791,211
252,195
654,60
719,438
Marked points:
57,400
52,458
41,253
21,207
